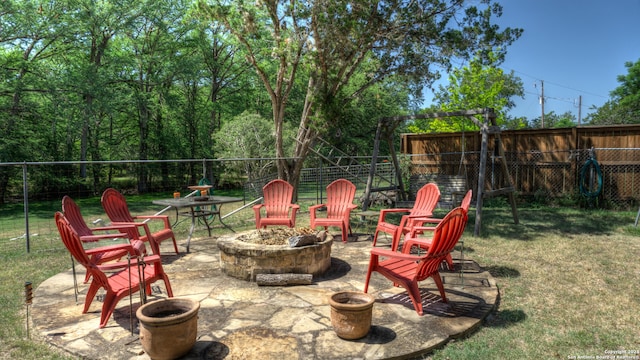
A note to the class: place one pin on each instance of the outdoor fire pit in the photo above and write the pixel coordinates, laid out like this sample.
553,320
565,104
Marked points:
247,254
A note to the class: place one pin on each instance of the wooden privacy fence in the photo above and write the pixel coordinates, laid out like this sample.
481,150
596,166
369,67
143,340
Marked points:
544,162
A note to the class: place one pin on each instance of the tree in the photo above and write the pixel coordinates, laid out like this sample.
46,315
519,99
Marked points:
30,36
624,106
553,120
474,86
628,93
516,123
250,136
326,42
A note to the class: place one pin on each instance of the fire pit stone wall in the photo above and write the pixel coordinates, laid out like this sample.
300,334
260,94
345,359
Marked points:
244,260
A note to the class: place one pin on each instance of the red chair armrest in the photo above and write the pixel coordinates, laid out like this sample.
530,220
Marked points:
164,218
409,243
102,249
133,261
384,212
395,255
155,246
98,237
111,228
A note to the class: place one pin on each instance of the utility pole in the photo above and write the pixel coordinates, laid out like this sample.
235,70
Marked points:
579,109
542,101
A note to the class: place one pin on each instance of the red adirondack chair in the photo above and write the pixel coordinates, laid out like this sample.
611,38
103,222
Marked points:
100,254
126,278
426,200
278,209
412,238
340,194
407,270
115,205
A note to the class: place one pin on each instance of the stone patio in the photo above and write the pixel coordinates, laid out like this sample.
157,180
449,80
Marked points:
241,320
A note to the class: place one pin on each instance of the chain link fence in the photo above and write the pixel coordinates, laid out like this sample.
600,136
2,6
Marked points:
31,192
547,176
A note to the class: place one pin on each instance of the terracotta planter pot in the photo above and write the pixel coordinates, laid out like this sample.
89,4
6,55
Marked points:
168,327
351,314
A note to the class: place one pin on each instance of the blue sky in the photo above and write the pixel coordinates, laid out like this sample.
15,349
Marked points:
577,48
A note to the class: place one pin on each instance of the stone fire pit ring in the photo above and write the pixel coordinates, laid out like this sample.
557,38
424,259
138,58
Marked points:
244,260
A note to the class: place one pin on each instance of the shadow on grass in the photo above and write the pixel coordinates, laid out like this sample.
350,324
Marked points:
505,318
502,271
536,222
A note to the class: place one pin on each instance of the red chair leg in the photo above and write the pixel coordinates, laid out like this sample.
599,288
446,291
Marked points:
438,281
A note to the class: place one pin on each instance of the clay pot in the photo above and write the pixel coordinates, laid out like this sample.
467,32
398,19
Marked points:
351,314
168,327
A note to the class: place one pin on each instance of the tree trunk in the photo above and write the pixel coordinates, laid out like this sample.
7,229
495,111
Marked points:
143,149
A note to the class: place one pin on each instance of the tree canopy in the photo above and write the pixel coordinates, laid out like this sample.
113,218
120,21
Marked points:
474,86
624,105
324,44
113,80
553,120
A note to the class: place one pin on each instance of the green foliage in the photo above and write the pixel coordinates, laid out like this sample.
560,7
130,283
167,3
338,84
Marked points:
354,127
624,106
628,92
250,136
113,80
516,123
553,120
335,45
405,169
475,86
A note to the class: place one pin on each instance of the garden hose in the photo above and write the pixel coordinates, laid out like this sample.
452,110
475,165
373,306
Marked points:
588,188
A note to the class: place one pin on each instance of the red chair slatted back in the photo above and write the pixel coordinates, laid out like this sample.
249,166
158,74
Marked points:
71,240
115,205
426,200
340,195
466,200
277,198
72,214
445,237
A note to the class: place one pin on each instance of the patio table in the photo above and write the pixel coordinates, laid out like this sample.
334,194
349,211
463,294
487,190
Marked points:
196,210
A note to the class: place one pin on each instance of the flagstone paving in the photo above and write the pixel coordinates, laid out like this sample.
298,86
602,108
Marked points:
241,320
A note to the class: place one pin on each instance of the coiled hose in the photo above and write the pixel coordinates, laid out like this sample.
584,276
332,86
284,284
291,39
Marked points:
589,188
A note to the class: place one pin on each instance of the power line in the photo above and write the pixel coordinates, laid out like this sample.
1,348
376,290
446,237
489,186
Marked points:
559,85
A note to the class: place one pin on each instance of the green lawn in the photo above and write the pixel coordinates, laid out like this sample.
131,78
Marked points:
568,282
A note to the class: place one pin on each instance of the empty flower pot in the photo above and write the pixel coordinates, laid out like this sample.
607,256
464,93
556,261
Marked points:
168,327
351,313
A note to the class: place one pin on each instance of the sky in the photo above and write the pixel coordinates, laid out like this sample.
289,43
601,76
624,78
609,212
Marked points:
575,48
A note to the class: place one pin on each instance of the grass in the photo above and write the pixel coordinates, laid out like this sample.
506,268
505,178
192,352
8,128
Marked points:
568,282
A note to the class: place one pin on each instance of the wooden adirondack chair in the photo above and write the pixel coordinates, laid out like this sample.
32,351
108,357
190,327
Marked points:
91,235
426,200
340,194
424,243
124,277
278,209
407,270
115,205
